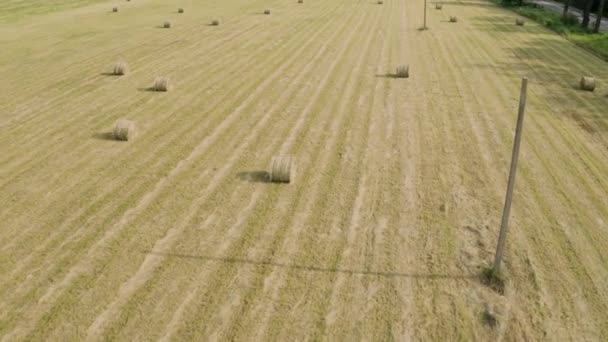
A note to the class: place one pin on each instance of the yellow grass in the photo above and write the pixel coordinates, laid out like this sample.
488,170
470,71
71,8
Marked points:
397,202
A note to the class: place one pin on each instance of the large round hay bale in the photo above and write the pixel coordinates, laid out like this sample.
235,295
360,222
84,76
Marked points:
438,6
120,68
519,22
161,84
167,24
215,22
114,9
266,11
587,83
403,71
180,10
282,169
124,130
453,19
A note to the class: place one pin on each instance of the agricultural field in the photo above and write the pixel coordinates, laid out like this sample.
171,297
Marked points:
389,219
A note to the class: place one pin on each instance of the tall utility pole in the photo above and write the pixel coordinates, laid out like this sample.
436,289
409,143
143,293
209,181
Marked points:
507,209
424,26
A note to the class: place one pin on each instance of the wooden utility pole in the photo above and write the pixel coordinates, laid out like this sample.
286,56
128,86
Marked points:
424,26
507,209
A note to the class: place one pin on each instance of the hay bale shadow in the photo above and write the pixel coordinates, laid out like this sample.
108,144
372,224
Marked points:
388,75
148,89
104,136
108,74
254,176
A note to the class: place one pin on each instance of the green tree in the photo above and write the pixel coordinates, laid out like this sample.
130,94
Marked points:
598,20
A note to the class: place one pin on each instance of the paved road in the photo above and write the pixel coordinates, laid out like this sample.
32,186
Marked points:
559,7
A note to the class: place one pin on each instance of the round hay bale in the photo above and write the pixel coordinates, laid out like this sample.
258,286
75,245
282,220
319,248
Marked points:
282,169
124,130
380,2
215,22
519,22
300,1
453,19
161,84
180,10
115,9
266,11
587,83
438,6
403,71
167,24
120,68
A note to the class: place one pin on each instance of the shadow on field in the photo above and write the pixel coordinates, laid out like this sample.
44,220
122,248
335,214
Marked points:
388,75
254,176
104,136
150,89
109,74
304,268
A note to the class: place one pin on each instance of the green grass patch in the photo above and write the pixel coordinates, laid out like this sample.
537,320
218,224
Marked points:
568,27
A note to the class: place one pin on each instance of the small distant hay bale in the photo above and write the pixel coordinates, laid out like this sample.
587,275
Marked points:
124,130
403,71
300,1
114,9
519,22
380,2
438,6
167,24
161,84
588,83
180,10
282,169
266,11
215,22
453,19
120,68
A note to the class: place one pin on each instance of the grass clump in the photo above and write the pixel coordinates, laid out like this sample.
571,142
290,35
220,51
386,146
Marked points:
493,279
489,318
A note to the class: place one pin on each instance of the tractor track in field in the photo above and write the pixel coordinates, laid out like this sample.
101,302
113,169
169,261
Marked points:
165,244
114,189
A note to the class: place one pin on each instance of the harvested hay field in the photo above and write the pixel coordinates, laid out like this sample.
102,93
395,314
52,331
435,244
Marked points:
400,183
